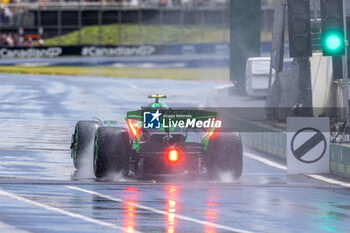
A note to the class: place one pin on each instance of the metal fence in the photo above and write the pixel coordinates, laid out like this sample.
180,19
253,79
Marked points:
119,22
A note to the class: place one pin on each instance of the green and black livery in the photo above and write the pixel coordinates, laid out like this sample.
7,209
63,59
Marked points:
141,151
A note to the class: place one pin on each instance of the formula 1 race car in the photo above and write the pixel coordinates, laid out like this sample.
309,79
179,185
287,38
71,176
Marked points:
159,140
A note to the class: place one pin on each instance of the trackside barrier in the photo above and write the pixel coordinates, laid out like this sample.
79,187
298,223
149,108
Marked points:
340,160
120,50
114,50
273,141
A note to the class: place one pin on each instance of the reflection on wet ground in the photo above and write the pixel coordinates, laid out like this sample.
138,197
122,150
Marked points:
171,202
130,198
38,114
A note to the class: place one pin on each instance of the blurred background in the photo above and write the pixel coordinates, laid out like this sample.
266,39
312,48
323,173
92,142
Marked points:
120,22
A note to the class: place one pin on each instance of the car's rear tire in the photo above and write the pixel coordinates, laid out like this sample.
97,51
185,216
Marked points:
111,151
225,155
82,141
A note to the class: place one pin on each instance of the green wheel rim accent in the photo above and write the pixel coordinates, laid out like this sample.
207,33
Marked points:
96,151
74,154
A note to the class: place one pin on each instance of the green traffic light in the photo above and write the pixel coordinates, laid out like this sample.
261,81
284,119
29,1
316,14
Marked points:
333,42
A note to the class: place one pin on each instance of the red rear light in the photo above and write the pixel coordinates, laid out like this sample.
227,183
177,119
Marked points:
132,128
211,133
173,155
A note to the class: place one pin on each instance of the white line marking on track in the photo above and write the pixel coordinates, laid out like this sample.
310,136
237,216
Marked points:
329,180
133,86
4,227
266,161
224,86
61,211
279,166
160,211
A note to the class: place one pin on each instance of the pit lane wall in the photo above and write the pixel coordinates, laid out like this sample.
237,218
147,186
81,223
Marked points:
273,141
326,94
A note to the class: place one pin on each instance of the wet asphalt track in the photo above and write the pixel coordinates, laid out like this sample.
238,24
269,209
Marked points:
162,61
41,192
